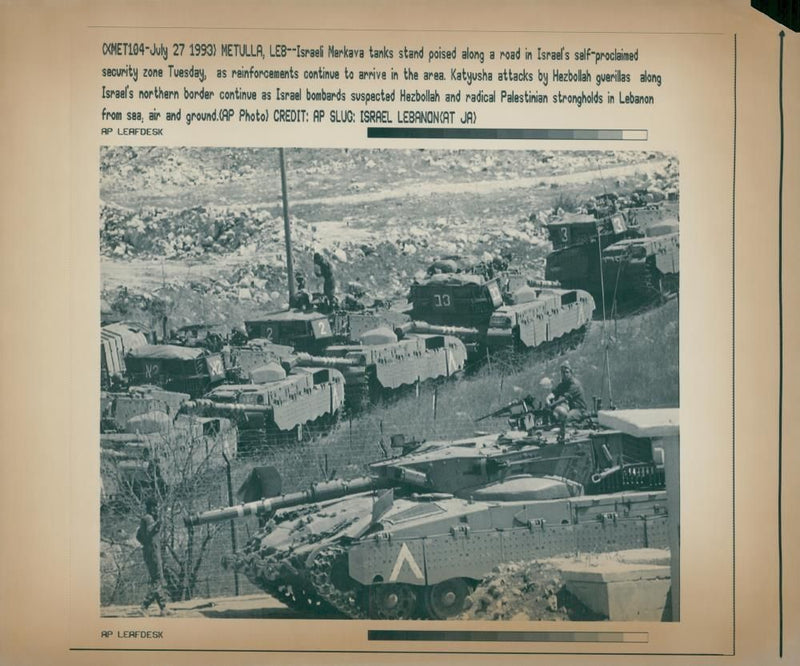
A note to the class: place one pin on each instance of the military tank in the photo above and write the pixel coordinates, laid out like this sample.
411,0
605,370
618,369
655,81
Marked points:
413,537
191,370
365,348
155,450
117,408
641,270
259,385
274,405
589,248
116,340
578,240
506,311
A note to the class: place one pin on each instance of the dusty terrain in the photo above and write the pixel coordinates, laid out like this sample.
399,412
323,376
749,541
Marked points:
202,229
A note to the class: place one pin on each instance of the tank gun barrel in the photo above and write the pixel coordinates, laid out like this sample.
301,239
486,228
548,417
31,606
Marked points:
305,360
431,329
227,407
319,492
554,284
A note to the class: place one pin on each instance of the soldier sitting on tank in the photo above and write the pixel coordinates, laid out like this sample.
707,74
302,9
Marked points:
567,402
238,337
302,298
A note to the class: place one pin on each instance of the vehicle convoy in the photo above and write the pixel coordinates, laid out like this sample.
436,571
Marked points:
496,313
364,347
589,248
412,538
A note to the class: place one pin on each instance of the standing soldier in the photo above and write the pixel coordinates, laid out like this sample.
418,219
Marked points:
323,269
148,535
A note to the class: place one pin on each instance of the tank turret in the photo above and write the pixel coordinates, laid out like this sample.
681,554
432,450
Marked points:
304,331
578,239
411,538
191,370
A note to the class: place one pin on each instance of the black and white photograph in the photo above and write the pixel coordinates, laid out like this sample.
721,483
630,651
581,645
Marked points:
412,384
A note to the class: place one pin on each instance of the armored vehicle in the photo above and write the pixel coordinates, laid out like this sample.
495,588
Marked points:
492,313
191,370
116,340
309,332
364,347
118,408
258,385
455,299
411,539
644,269
578,239
276,405
588,247
382,364
155,449
540,316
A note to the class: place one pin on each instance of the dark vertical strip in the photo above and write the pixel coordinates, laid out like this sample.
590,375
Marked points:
780,357
733,336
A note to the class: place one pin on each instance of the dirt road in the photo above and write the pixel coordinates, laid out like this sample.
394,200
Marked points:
254,606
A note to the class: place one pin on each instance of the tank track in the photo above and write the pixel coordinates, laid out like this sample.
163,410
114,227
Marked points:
278,578
320,574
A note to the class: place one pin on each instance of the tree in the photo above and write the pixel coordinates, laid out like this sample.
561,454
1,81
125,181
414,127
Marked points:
179,464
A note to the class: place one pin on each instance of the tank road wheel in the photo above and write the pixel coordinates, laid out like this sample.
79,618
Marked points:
393,601
446,599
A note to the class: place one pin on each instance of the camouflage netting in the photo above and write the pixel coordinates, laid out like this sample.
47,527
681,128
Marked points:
522,591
